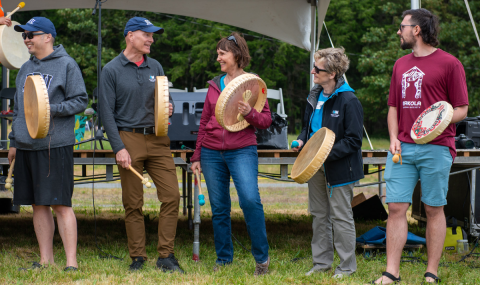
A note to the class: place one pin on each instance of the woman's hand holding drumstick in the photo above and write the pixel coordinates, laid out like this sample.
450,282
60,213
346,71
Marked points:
9,180
144,179
201,197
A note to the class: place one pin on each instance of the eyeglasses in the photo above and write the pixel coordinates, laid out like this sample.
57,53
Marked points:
30,35
401,26
232,38
317,70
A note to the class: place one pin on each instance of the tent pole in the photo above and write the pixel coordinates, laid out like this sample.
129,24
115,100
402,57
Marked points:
415,4
313,38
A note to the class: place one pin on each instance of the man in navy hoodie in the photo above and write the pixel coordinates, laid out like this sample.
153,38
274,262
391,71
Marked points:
44,167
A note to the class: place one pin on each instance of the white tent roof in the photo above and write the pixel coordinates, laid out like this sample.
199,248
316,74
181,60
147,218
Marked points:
286,20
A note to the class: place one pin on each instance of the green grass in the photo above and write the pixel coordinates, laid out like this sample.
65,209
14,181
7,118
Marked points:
288,228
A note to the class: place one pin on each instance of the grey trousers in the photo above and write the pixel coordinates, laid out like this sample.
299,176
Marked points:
332,212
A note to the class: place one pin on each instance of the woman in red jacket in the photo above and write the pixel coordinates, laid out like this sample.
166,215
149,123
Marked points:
222,154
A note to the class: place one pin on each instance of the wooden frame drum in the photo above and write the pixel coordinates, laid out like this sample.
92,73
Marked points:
432,122
313,155
37,106
13,52
246,87
162,101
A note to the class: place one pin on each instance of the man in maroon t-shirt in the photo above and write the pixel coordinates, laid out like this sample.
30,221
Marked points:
420,79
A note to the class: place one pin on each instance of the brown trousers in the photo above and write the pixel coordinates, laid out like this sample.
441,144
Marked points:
154,154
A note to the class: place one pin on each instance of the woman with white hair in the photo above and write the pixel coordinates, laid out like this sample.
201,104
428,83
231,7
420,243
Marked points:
333,104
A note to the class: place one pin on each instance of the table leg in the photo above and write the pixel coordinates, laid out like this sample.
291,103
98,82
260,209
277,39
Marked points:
380,185
184,190
284,171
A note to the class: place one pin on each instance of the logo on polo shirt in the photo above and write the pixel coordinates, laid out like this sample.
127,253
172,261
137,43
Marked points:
152,78
148,22
31,21
334,113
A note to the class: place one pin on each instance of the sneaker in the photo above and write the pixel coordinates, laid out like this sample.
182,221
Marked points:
137,263
317,269
262,268
341,275
169,264
35,265
70,268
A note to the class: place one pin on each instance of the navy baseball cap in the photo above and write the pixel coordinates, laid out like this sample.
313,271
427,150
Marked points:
139,23
38,24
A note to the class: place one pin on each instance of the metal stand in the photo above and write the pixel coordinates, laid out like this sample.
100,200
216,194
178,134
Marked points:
4,107
196,223
474,227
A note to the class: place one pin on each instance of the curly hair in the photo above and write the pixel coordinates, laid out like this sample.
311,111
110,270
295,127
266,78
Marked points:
238,47
428,23
335,59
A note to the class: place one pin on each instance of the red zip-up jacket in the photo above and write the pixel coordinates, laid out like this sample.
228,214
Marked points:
211,134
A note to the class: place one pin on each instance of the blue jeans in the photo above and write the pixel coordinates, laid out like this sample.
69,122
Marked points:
242,165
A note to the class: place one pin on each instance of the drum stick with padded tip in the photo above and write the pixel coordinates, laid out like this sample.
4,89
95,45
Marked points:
9,180
396,157
144,180
295,144
20,6
201,197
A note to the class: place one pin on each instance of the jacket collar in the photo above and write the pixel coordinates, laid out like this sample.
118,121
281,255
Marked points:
317,89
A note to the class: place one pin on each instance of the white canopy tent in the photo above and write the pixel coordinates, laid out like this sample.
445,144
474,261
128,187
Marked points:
291,21
286,20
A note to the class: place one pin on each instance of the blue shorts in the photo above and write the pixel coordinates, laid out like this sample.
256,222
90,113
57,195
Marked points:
431,163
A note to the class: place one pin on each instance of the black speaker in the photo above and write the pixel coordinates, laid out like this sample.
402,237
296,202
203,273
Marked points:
185,121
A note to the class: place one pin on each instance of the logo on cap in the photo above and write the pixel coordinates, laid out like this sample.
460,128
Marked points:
148,22
31,21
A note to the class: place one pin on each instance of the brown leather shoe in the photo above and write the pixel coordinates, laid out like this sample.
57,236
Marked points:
261,269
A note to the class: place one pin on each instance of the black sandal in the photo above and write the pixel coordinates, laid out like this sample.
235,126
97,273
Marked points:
431,275
390,276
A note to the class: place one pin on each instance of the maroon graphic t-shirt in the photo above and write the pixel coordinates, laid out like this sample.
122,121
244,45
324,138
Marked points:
419,82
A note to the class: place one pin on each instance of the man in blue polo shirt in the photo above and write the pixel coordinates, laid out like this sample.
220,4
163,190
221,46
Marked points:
127,97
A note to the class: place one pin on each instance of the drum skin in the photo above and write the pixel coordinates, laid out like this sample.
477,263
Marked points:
37,107
162,104
313,155
13,52
226,110
432,122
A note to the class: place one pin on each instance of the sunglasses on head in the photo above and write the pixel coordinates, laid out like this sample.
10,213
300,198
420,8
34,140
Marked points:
317,70
30,35
232,38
